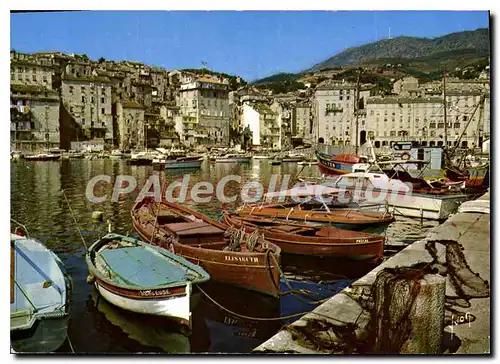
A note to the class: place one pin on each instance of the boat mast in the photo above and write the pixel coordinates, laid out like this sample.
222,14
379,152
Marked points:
356,107
445,117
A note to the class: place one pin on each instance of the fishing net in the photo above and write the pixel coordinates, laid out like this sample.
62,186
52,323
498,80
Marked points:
239,239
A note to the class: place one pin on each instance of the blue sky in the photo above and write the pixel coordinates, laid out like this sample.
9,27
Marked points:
252,44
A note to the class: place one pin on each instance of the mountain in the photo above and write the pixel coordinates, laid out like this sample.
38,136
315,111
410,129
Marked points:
409,48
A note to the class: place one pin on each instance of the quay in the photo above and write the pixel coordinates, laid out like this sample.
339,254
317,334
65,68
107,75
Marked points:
453,307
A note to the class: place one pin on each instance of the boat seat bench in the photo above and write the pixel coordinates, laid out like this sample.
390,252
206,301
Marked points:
193,228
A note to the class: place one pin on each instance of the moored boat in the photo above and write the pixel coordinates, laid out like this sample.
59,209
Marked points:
143,278
184,162
142,158
233,158
241,260
40,296
42,157
340,164
345,218
320,241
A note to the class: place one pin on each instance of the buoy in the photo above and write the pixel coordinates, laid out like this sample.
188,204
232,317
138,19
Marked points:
97,215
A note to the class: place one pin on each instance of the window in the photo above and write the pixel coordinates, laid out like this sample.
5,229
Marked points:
465,117
456,125
432,143
440,125
92,99
71,90
83,121
83,88
393,133
340,98
432,125
83,99
102,100
440,143
347,97
102,110
34,77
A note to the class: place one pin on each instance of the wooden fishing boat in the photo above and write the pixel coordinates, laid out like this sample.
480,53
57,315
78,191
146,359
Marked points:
229,259
143,278
339,164
320,241
40,296
345,218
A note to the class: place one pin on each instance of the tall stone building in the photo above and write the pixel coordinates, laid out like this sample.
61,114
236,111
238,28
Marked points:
336,118
204,107
34,118
131,127
88,101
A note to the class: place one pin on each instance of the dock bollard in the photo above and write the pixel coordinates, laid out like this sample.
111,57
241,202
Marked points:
412,322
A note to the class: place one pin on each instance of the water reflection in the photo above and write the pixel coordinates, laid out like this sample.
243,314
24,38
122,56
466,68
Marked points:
37,201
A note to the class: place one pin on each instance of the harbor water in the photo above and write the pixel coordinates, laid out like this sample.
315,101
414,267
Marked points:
38,201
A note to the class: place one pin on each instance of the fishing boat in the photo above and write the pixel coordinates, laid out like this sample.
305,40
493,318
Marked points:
142,158
293,158
318,240
233,158
345,218
42,157
184,162
229,256
403,193
40,295
143,278
340,164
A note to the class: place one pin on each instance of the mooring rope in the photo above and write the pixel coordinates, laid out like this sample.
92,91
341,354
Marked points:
74,218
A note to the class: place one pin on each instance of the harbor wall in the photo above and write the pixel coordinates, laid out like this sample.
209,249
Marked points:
457,250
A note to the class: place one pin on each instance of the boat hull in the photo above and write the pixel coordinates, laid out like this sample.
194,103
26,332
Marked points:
46,335
42,158
253,271
363,247
234,160
140,162
175,306
183,165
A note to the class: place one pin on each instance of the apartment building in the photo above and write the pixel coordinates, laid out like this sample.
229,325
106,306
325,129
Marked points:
303,122
34,118
204,107
132,129
335,112
421,119
263,123
88,101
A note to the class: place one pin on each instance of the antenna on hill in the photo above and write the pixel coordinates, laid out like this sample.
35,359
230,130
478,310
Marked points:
204,64
390,33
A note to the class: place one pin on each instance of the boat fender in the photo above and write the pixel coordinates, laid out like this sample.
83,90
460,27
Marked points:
171,248
405,156
90,279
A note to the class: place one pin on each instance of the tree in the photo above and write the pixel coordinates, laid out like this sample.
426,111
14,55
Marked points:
102,60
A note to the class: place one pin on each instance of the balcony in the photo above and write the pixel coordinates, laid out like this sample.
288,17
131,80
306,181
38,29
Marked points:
333,110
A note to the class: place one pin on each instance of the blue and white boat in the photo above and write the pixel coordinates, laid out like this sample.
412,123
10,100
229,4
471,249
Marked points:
40,294
143,278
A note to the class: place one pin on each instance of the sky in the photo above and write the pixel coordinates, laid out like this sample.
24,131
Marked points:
251,44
